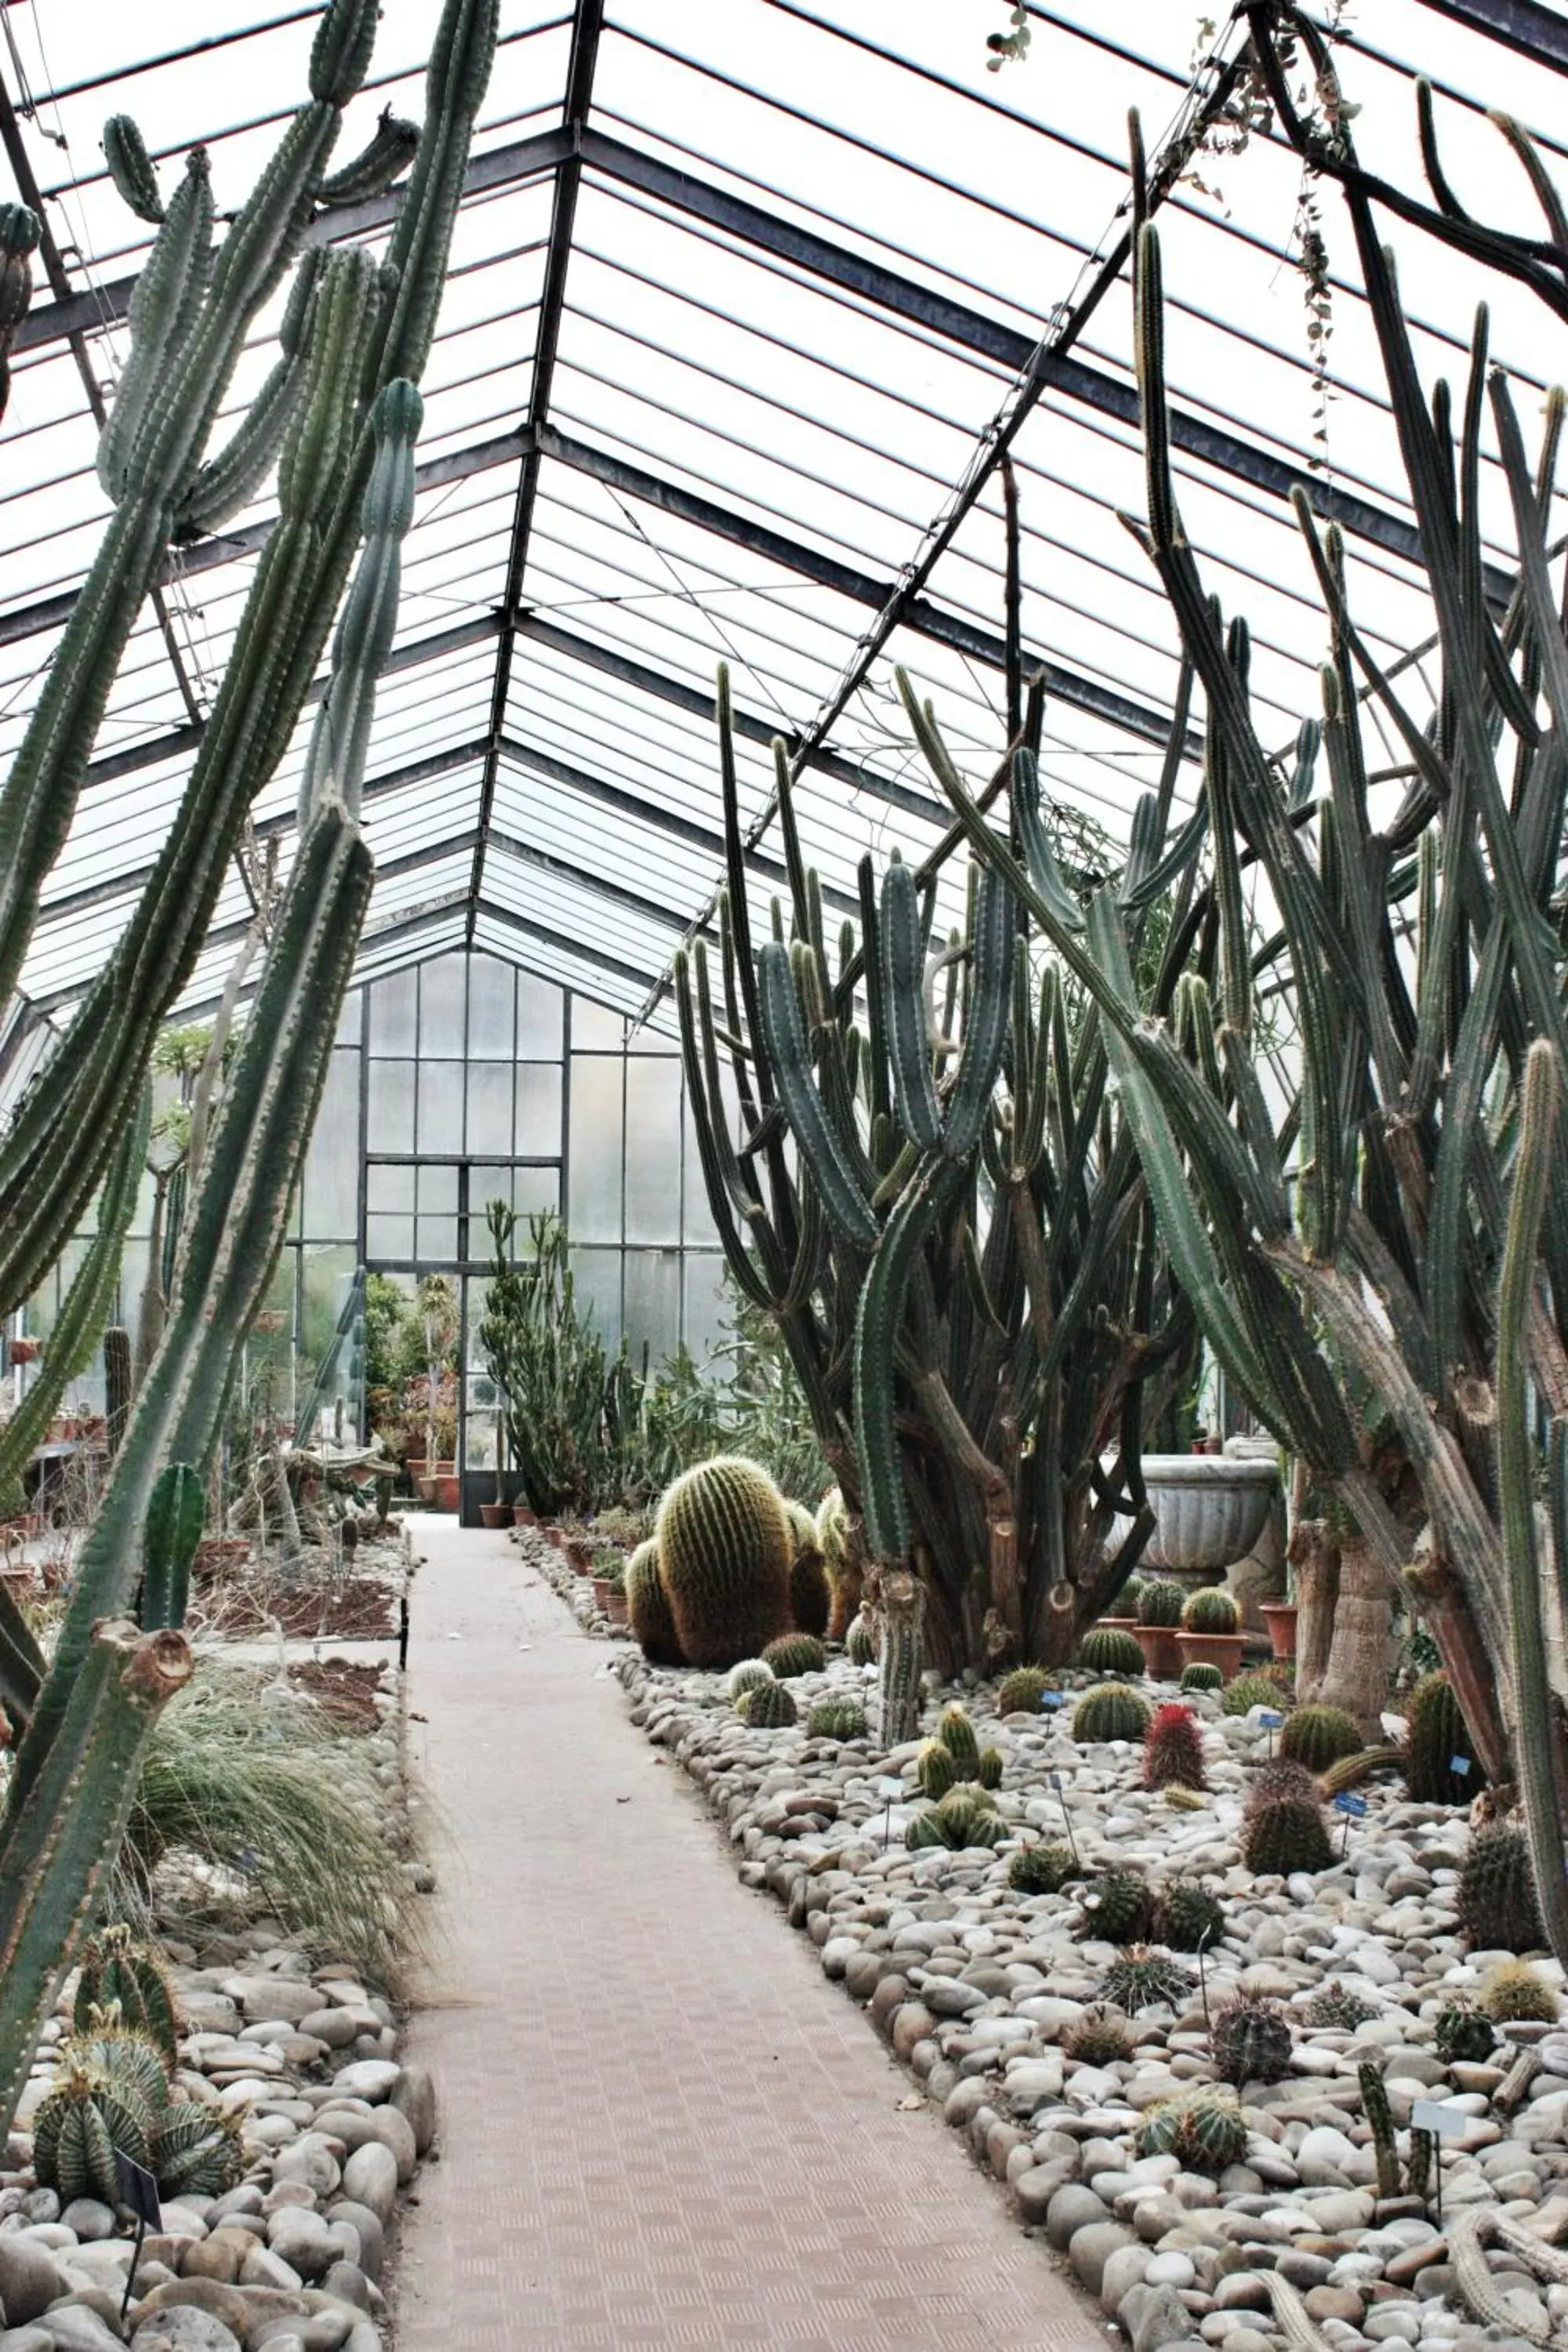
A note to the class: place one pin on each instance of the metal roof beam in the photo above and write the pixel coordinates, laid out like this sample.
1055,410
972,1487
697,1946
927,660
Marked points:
1538,33
585,953
651,910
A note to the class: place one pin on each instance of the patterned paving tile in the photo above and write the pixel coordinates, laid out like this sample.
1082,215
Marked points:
662,2130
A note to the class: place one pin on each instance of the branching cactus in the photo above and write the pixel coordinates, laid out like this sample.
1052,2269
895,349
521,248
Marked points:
1382,1272
75,1773
350,328
19,233
956,1252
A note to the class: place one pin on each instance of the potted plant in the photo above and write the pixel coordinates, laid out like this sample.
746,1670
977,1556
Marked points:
1210,1630
1280,1616
22,1351
1158,1629
607,1569
1209,1511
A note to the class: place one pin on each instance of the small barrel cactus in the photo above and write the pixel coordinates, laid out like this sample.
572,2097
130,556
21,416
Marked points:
1438,1734
843,1560
76,2129
861,1643
809,1599
1098,2038
725,1551
648,1608
1513,1993
1280,1778
1140,1978
1318,1737
1210,1609
119,1973
1285,1836
794,1654
989,1769
1188,1917
964,1817
1173,1749
1160,1602
1203,2130
1464,2034
957,1735
768,1707
934,1769
837,1718
1251,2040
197,2152
1110,1711
1020,1691
1042,1869
1110,1650
1337,2009
746,1675
1116,1907
1202,1676
1248,1691
1497,1907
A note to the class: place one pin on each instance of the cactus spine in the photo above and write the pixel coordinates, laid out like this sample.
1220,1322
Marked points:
117,1972
725,1550
648,1608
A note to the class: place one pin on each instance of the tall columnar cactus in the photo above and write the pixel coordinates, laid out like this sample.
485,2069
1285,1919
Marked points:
725,1549
1439,1741
19,233
75,1774
349,330
1383,1271
116,1383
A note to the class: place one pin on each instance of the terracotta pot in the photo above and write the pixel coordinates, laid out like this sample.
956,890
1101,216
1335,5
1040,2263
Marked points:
444,1469
1280,1616
495,1515
425,1489
446,1486
24,1350
1221,1650
1119,1625
580,1553
616,1607
521,1516
416,1464
1161,1649
553,1535
602,1592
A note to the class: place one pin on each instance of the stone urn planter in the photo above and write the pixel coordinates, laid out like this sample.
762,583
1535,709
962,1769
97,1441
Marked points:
1280,1616
1221,1650
1209,1511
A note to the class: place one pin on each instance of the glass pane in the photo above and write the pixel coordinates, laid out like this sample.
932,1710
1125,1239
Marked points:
389,1237
533,1189
389,1188
707,1303
327,1277
442,988
652,1301
389,1117
438,1189
391,1007
440,1105
538,1017
594,1027
489,1010
698,1217
331,1164
438,1237
593,1211
351,1019
653,1152
598,1281
490,1107
538,1109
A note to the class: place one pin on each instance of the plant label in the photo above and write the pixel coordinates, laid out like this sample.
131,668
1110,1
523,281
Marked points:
138,2190
1348,1803
889,1788
1269,1718
1051,1700
1442,2122
1461,1765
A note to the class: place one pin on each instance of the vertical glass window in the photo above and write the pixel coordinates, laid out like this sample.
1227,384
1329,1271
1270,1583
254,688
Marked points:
442,992
539,1018
393,1005
389,1110
653,1151
593,1211
538,1129
490,1107
491,1029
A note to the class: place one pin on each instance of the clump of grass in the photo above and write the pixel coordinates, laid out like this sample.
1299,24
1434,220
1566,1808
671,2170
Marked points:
247,1796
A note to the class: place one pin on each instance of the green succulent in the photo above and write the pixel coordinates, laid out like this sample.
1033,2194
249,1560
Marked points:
1248,1691
1099,2038
1160,1602
1438,1734
1202,1676
767,1706
1042,1869
990,1768
1188,1917
1020,1691
1464,2034
1337,2009
1173,1749
1496,1900
964,1817
725,1552
1110,1711
1110,1650
1285,1836
934,1769
1513,1993
1210,1609
1205,2130
861,1643
1318,1737
1116,1907
749,1675
958,1736
1251,2040
837,1718
119,1972
794,1654
1141,1977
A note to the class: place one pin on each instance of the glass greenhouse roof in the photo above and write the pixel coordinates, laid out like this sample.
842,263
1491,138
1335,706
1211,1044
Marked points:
739,295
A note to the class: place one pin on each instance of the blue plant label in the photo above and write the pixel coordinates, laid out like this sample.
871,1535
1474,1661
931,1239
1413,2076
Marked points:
1051,1700
1446,2123
1347,1803
1460,1764
1269,1718
1057,1782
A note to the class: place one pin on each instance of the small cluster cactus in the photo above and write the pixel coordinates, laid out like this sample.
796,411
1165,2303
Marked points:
1188,1917
1202,1676
1110,1711
794,1654
1020,1691
1110,1650
809,1598
120,1975
1464,2034
1210,1609
112,2094
1117,1907
962,1741
1283,1834
1173,1749
746,1675
1141,1977
1247,1691
1438,1734
648,1608
843,1563
837,1718
725,1552
1205,2130
1496,1899
955,1756
935,1769
1160,1602
1318,1737
861,1643
1098,2038
1042,1869
1251,2040
1335,2009
964,1817
1513,1993
767,1706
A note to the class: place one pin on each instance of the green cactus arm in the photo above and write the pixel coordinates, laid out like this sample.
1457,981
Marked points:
132,169
1039,854
228,482
719,1170
170,1536
85,1307
19,233
158,311
877,1318
986,1027
64,1835
782,1027
1537,1732
22,1666
455,86
903,1007
390,150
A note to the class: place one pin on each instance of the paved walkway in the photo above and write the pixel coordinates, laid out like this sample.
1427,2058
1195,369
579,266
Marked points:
660,2124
